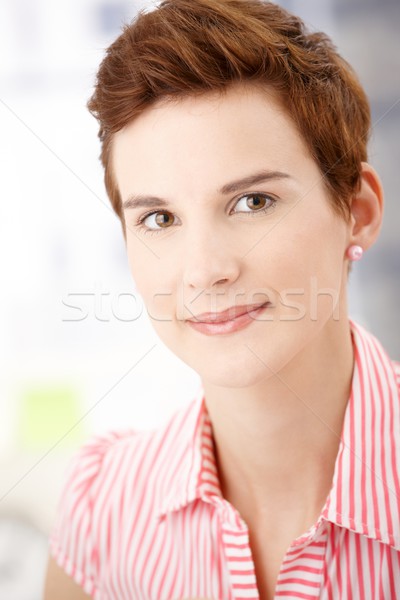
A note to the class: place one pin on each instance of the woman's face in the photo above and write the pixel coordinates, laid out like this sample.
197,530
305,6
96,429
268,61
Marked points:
206,248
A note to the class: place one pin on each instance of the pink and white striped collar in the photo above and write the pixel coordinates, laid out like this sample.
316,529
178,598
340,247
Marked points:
365,492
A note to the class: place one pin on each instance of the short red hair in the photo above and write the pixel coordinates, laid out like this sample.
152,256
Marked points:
188,47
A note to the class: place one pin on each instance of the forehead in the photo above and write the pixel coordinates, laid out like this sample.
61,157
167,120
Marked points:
243,127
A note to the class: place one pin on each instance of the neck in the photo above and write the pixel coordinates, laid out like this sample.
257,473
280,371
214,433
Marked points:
276,442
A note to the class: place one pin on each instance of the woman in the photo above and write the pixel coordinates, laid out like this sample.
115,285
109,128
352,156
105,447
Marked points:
234,148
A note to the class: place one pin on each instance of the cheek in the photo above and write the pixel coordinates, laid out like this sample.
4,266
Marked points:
154,288
300,258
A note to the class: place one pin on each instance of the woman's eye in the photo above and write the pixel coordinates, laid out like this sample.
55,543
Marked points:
256,202
156,221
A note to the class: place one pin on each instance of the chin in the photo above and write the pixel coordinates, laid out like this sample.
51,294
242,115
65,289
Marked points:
234,383
232,376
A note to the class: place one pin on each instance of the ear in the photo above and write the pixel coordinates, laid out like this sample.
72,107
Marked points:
367,208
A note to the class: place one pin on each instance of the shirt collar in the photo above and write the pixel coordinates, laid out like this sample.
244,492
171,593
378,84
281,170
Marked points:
365,492
194,472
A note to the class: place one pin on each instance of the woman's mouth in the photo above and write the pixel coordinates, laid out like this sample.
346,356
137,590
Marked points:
229,321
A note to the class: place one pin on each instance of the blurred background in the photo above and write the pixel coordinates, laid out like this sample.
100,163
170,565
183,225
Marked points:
78,352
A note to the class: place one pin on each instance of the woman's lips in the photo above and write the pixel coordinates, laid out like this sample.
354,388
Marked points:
229,326
226,315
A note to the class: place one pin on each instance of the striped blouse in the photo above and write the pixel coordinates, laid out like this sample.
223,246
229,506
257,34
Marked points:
142,517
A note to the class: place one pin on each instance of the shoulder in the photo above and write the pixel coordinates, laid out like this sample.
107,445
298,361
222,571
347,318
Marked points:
112,485
90,481
109,461
92,458
102,461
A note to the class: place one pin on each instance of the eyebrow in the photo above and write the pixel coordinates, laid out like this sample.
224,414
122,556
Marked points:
138,201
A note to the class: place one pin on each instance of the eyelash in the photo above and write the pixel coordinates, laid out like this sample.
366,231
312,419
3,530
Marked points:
147,230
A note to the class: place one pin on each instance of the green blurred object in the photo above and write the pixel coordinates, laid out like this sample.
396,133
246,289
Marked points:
50,413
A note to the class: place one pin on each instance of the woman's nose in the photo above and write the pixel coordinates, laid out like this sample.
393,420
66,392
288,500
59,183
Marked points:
209,259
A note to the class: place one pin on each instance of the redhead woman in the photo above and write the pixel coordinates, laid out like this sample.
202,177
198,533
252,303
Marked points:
234,146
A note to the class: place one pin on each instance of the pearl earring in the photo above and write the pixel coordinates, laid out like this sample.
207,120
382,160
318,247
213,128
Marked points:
354,252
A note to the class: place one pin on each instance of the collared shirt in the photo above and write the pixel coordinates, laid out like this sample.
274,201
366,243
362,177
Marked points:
142,516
